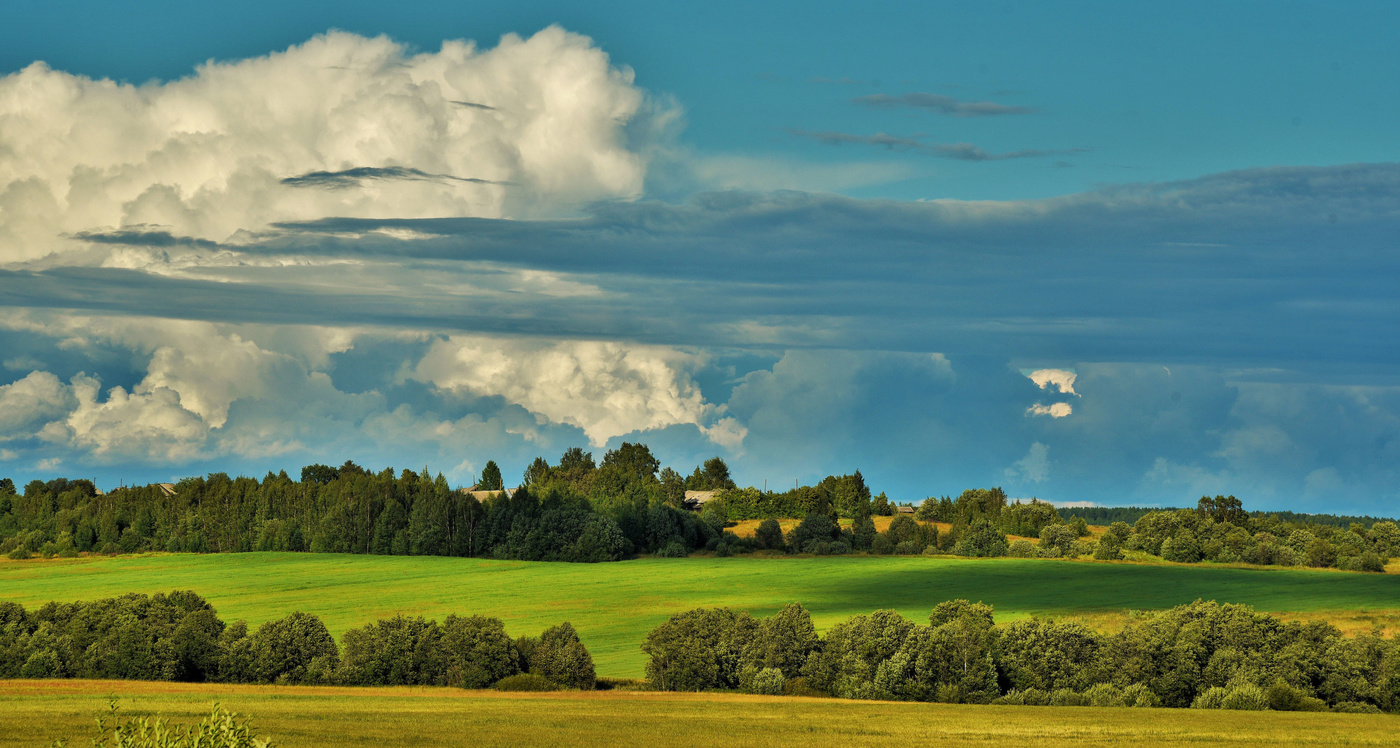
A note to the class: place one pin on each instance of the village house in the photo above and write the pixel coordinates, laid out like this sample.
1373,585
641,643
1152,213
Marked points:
695,500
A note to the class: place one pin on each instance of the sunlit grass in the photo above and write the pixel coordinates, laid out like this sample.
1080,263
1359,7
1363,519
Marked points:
34,712
614,605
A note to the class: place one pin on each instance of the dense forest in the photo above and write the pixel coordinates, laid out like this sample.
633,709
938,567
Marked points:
583,511
1201,655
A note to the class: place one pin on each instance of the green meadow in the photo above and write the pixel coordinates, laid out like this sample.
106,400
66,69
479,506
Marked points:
614,605
33,713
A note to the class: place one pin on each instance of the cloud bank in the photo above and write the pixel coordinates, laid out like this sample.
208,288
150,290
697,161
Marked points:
347,250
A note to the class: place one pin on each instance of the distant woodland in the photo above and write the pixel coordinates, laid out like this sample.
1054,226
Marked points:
581,510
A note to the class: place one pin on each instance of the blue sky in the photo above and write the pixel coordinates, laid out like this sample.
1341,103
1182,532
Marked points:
1087,251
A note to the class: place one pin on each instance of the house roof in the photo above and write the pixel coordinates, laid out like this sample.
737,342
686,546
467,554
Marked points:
481,495
697,499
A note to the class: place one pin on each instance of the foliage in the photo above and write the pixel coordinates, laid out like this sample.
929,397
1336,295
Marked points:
1203,655
490,477
562,659
525,682
221,729
178,637
698,650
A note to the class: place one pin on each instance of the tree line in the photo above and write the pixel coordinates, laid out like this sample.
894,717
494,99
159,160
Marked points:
580,510
179,637
1201,655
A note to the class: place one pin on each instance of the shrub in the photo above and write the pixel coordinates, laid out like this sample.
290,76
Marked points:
673,549
477,652
769,534
1028,697
1211,698
562,658
1105,694
1245,697
1356,707
800,687
1371,561
525,682
20,553
907,548
1109,548
1283,697
880,546
825,548
769,681
221,729
1021,549
1058,536
1065,697
1011,698
42,664
284,649
698,649
981,539
1139,695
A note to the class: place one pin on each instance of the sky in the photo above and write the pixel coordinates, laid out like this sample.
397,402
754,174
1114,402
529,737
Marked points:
1097,253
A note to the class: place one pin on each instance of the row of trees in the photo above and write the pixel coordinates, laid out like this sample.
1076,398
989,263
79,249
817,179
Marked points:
1219,530
1202,654
574,511
582,511
179,637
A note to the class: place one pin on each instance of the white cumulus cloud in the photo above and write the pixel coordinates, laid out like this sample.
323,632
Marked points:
1059,379
341,125
605,388
1054,410
29,403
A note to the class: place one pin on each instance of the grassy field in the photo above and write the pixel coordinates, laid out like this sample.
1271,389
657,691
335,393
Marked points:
614,605
34,712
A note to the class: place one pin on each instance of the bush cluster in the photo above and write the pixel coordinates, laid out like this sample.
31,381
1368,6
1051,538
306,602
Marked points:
179,637
1201,655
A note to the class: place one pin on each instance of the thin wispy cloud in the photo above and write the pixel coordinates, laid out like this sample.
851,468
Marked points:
957,151
474,105
356,177
941,104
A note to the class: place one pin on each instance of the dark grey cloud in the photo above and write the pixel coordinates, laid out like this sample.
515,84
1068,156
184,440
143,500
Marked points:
1265,268
142,236
347,178
957,151
474,105
941,104
1229,332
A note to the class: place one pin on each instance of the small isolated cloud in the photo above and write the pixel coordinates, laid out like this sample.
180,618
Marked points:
941,105
955,151
1054,410
1061,379
1033,468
